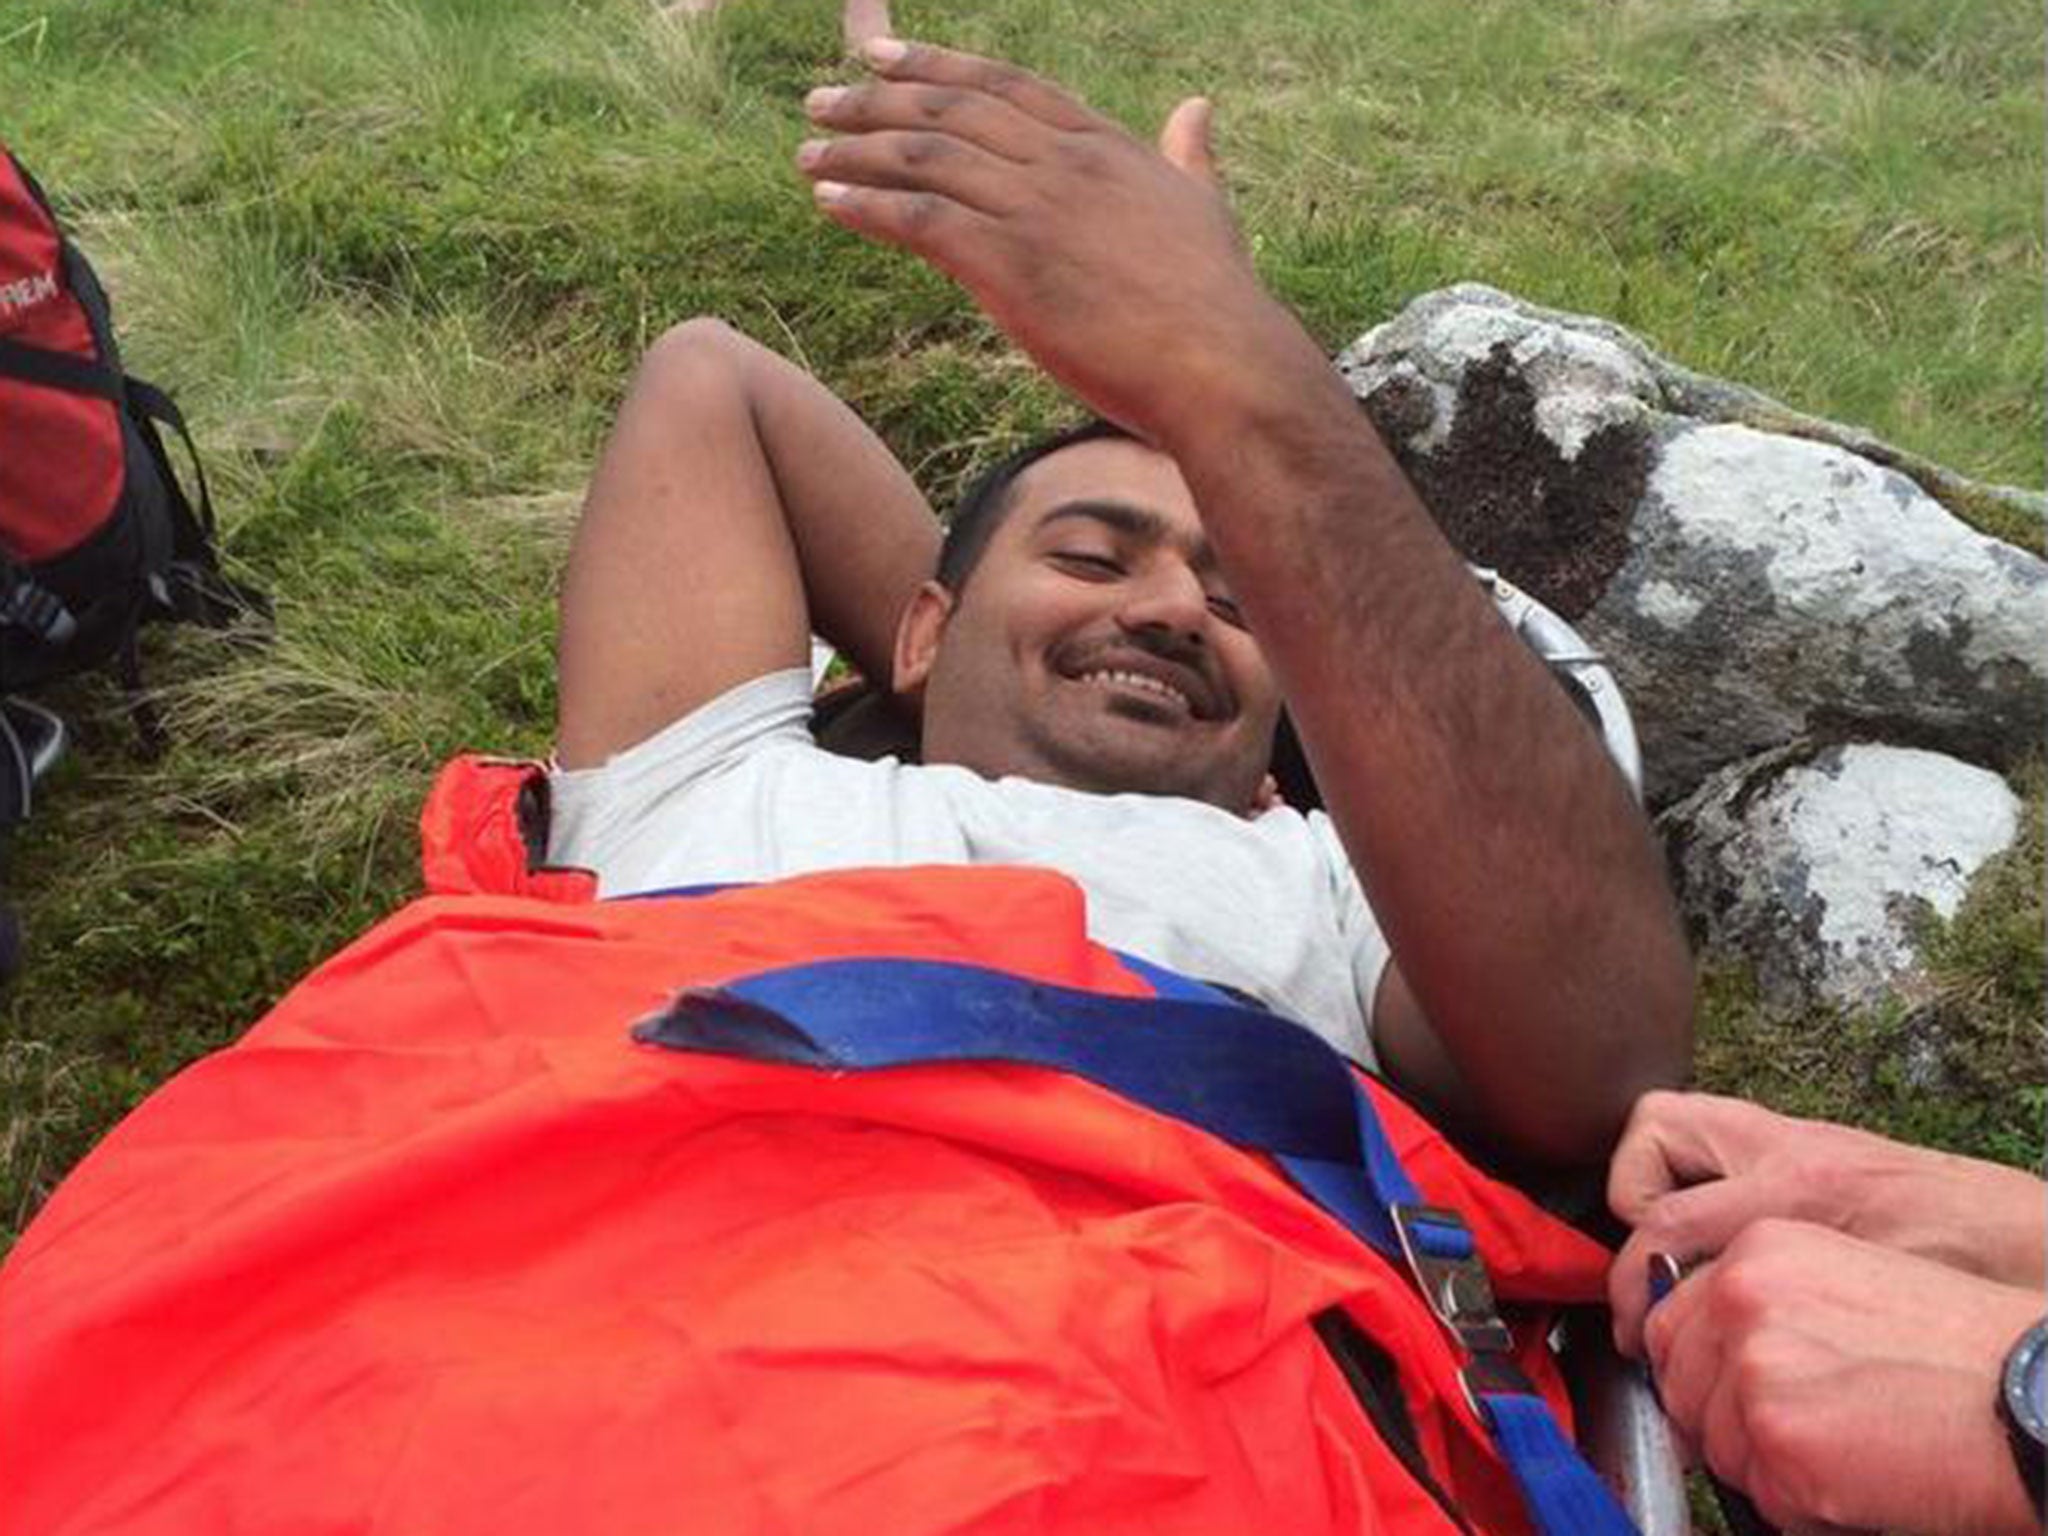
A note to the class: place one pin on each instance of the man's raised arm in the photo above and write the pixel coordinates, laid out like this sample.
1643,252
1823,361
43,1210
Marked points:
738,505
1541,981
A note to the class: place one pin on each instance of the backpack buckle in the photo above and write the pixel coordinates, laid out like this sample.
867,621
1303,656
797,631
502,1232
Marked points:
27,606
1443,1258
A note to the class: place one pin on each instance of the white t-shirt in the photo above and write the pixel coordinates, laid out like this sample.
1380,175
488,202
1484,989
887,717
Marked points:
738,791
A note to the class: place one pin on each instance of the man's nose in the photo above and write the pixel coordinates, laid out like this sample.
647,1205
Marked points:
1169,598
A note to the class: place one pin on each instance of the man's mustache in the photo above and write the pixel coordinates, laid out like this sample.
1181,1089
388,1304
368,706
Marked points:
1185,664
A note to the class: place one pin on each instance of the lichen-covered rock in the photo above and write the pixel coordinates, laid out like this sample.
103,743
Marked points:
1750,587
1530,441
1584,374
1820,868
1775,587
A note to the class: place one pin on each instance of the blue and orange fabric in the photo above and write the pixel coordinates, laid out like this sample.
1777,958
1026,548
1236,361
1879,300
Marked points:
440,1246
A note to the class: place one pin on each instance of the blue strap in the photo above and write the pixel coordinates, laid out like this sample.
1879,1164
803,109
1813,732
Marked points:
1249,1077
1361,1181
1562,1493
678,892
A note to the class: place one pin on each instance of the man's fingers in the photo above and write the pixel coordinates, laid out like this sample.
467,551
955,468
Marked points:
912,162
894,59
1642,1170
1185,139
1723,1436
979,119
935,228
1628,1296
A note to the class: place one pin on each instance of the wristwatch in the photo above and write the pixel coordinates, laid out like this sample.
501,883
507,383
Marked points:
2023,1405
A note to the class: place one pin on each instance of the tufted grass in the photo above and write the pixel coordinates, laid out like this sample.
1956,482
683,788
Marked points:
397,258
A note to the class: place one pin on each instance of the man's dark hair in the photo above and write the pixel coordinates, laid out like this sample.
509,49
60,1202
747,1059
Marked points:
980,512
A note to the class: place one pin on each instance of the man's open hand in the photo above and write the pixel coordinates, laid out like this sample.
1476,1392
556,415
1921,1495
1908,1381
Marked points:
1115,265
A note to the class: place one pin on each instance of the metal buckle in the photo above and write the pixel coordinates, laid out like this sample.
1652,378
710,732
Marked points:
1492,1375
1455,1286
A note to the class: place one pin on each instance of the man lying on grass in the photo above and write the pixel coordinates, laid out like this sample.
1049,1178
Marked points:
1099,657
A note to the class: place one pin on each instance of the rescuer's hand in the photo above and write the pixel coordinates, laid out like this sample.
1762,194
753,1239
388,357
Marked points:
1844,1385
1694,1169
1117,266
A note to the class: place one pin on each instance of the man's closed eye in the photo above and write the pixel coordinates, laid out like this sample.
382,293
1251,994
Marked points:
1086,565
1226,609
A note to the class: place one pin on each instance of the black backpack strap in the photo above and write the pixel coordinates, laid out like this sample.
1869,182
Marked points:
60,370
196,530
17,778
197,592
192,529
149,721
191,587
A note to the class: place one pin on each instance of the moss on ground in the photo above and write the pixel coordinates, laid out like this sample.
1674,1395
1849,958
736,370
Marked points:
1961,1068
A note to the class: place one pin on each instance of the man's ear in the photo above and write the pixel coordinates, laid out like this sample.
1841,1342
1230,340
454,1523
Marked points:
917,641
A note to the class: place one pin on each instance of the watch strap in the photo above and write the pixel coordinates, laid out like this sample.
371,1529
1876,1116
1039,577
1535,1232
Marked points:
2021,1407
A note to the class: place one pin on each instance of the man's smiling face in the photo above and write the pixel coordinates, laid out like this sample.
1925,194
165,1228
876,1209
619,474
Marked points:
1095,644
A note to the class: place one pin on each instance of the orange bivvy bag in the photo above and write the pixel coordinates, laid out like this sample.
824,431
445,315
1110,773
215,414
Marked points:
530,1213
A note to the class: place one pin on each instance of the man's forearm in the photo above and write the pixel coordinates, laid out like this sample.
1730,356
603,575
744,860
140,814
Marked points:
1517,881
1515,878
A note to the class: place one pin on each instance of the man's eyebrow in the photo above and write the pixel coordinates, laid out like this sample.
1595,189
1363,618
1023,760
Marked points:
1133,521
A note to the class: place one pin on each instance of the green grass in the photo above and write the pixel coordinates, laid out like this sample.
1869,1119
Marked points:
397,260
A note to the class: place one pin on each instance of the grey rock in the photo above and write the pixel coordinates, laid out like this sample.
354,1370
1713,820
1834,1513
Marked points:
1819,868
1777,586
1582,363
1586,373
1750,587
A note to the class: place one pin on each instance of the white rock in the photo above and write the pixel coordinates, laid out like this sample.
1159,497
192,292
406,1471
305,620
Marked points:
1822,590
1749,588
1569,416
1584,376
1820,871
1673,607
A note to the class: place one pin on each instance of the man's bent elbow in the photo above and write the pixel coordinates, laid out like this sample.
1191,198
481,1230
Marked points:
1641,1039
1649,1045
1639,1024
695,354
1663,1009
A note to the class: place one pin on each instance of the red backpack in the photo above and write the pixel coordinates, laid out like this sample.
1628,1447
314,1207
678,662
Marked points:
97,534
